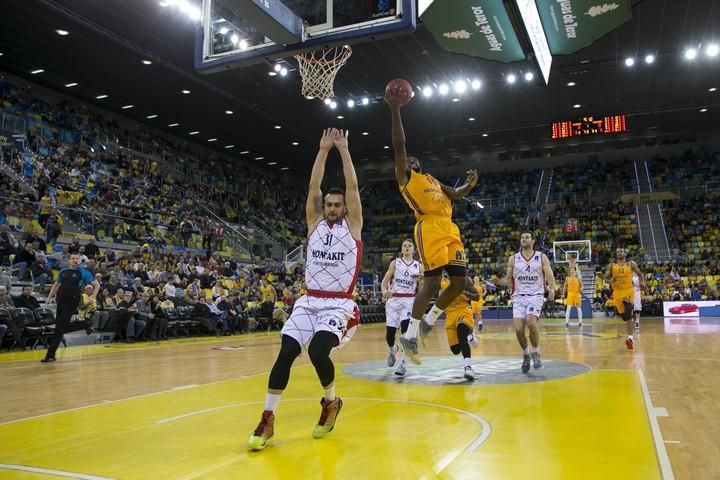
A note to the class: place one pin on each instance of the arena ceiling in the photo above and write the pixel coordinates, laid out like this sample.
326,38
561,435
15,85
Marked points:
108,41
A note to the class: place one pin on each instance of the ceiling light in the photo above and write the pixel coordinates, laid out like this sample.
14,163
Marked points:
333,104
340,117
691,53
164,4
427,91
703,110
234,39
147,62
151,116
1,54
224,30
100,97
229,112
194,133
712,50
243,45
476,84
127,107
277,67
460,86
327,101
173,125
73,84
272,74
244,152
295,143
283,71
629,62
484,134
365,100
386,147
278,127
712,89
185,92
365,133
259,158
511,78
571,84
649,59
529,76
39,70
455,99
272,163
229,146
62,33
443,89
212,139
285,168
577,105
351,103
471,119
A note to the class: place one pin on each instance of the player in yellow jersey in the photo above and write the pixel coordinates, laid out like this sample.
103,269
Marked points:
571,291
437,238
459,324
477,305
619,274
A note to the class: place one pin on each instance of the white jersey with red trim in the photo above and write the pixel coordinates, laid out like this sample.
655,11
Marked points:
333,258
528,275
406,276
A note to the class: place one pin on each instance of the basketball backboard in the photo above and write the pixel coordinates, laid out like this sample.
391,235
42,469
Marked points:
581,250
237,33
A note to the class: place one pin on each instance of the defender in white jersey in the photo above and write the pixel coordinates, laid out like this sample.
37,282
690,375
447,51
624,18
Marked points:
528,272
637,299
401,282
326,317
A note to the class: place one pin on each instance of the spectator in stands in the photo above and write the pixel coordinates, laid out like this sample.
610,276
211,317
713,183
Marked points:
137,287
37,241
91,249
8,244
105,305
5,300
3,329
27,299
74,246
124,317
45,210
88,306
53,229
161,321
169,289
41,271
144,312
5,280
24,259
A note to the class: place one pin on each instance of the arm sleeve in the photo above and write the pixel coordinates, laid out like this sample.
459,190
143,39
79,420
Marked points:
87,277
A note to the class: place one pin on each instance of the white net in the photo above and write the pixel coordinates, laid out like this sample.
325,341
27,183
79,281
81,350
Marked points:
318,69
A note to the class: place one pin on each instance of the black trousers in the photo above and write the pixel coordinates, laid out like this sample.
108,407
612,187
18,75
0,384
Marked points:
65,310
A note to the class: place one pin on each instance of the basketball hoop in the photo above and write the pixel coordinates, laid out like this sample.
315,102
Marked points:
318,69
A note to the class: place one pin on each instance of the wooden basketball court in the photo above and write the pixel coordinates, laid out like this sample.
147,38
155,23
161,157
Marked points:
183,409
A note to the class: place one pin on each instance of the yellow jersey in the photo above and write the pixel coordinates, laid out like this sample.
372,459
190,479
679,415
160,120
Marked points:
460,303
424,196
573,285
621,276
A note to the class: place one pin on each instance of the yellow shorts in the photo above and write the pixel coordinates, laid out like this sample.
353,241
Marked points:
438,242
619,296
573,300
476,307
455,318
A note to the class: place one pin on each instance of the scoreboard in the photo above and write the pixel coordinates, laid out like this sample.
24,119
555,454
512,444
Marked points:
589,126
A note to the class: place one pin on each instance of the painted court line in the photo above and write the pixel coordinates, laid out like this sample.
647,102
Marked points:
663,459
672,441
49,471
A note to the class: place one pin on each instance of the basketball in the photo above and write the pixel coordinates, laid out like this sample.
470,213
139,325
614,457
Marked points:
400,87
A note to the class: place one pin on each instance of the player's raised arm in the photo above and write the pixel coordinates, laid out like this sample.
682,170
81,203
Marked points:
402,171
463,190
549,276
352,190
314,202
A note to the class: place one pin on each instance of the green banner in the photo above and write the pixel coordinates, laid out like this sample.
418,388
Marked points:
479,28
573,24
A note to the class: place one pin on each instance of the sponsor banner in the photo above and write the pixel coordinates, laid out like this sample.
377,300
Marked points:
479,28
691,309
573,24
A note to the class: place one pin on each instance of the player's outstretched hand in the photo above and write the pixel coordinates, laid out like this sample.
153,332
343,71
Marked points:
394,99
341,139
326,141
472,177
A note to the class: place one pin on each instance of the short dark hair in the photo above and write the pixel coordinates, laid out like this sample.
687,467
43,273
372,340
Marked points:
530,232
335,191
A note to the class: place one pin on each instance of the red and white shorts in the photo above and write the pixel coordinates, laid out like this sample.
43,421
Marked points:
398,309
310,315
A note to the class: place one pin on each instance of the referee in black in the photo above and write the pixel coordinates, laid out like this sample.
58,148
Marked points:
68,289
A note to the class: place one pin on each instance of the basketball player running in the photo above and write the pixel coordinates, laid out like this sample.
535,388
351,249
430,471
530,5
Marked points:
326,317
527,273
399,286
619,274
459,324
637,300
571,291
436,236
477,305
